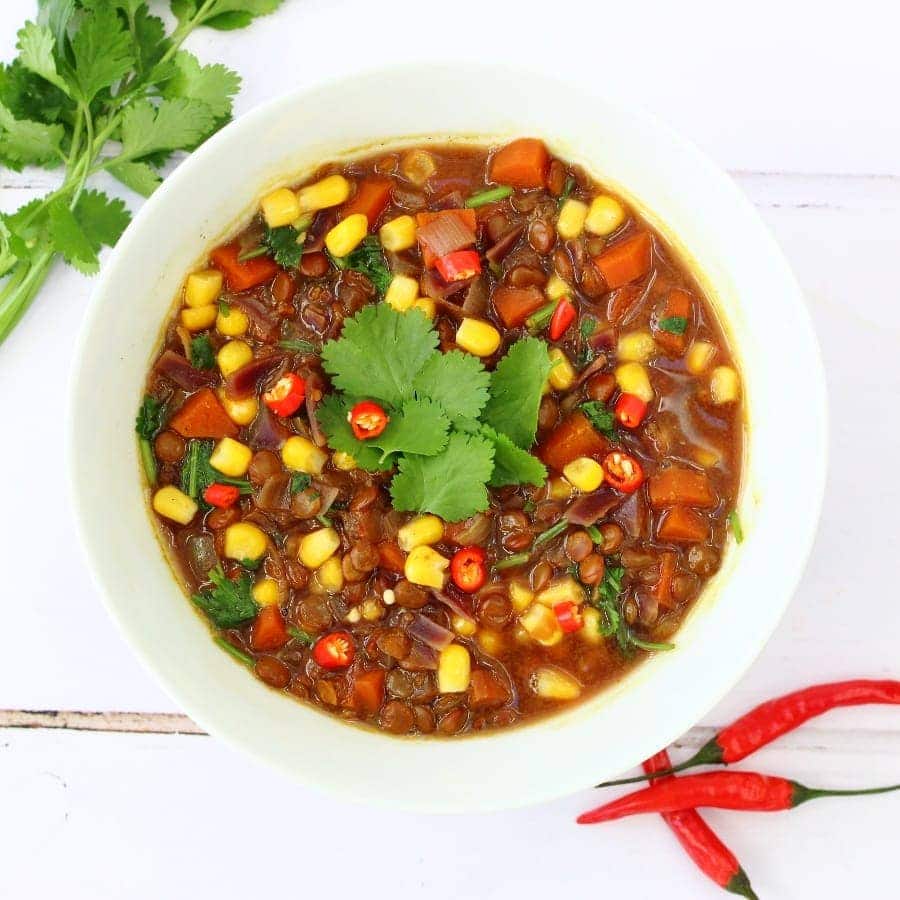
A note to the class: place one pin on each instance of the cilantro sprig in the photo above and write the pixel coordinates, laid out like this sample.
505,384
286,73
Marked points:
228,603
99,86
455,429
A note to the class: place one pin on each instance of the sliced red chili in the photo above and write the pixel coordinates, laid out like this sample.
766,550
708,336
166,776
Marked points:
563,316
458,265
221,495
569,616
287,396
467,569
367,419
630,410
623,471
334,651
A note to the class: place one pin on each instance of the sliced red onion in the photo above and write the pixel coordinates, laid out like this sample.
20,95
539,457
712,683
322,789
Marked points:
453,604
245,381
275,492
421,658
505,244
595,366
429,632
328,493
476,302
444,234
321,225
590,507
178,370
314,387
266,431
603,339
452,200
632,515
263,319
434,287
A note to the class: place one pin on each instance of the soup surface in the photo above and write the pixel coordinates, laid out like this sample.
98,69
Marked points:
445,439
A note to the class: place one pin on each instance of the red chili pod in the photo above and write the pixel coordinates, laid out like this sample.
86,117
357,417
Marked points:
563,316
368,420
335,650
630,410
468,570
221,495
287,396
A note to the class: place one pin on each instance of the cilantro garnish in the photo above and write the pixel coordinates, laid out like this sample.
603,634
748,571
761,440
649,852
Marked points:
147,425
512,464
567,191
368,258
197,474
100,86
299,482
299,635
202,354
673,324
587,328
285,245
419,426
601,418
457,381
736,528
228,603
230,649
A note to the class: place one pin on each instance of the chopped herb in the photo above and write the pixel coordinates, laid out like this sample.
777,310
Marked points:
259,250
227,603
736,528
197,474
594,534
202,354
251,564
285,245
299,635
510,562
239,655
489,196
495,268
368,259
673,324
601,418
539,319
300,481
224,309
297,345
324,521
649,645
147,425
529,506
567,191
587,328
611,585
551,532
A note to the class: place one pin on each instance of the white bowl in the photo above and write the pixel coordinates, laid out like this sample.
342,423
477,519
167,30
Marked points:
696,206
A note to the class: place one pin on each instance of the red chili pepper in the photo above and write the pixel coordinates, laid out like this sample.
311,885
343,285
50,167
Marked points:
367,419
770,720
623,471
334,651
563,316
287,396
747,791
569,616
700,842
458,265
467,569
221,495
630,410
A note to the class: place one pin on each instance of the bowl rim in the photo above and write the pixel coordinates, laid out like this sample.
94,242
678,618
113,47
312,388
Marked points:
209,716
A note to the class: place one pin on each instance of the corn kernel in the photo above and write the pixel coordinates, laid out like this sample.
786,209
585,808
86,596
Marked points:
347,235
454,669
423,531
561,590
371,610
244,540
478,337
202,288
636,346
279,208
330,575
398,234
241,412
571,219
707,458
559,489
427,305
463,626
491,642
632,378
265,592
591,630
699,357
417,166
556,288
199,318
232,322
353,616
724,385
317,546
401,292
584,473
232,356
172,504
343,461
605,215
541,624
426,567
520,595
231,457
552,683
302,455
330,191
562,375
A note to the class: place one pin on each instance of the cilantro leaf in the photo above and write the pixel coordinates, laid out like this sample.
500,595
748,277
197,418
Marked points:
512,464
456,380
101,52
451,485
138,176
368,259
380,352
197,474
284,245
28,96
26,142
673,324
228,603
102,220
202,354
36,44
172,125
516,386
332,416
215,85
149,418
419,426
69,238
300,481
601,418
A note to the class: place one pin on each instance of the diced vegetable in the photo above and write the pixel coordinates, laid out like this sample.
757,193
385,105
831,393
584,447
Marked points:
454,669
680,486
573,437
222,496
562,376
636,346
330,575
198,318
671,325
632,378
417,166
568,615
591,631
402,292
514,305
173,504
559,488
281,207
468,569
269,630
243,540
492,195
662,590
231,321
287,395
335,650
232,356
626,260
570,223
584,473
700,357
623,471
202,288
427,306
330,191
318,546
459,265
604,216
522,163
463,626
442,232
520,595
231,457
478,337
564,589
683,525
265,592
724,385
555,288
630,410
241,412
426,567
343,461
371,197
241,276
347,235
563,316
302,455
368,420
398,234
538,620
202,416
553,683
368,691
422,531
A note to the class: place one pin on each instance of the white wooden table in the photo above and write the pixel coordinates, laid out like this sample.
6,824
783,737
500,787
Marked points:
110,792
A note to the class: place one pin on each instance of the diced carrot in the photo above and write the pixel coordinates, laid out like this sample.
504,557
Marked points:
522,164
269,630
680,486
203,416
515,305
626,260
466,216
572,438
683,525
622,301
371,197
391,557
241,276
662,590
486,690
678,306
367,691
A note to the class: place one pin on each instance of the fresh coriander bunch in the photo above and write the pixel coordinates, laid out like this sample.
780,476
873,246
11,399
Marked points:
100,86
455,429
